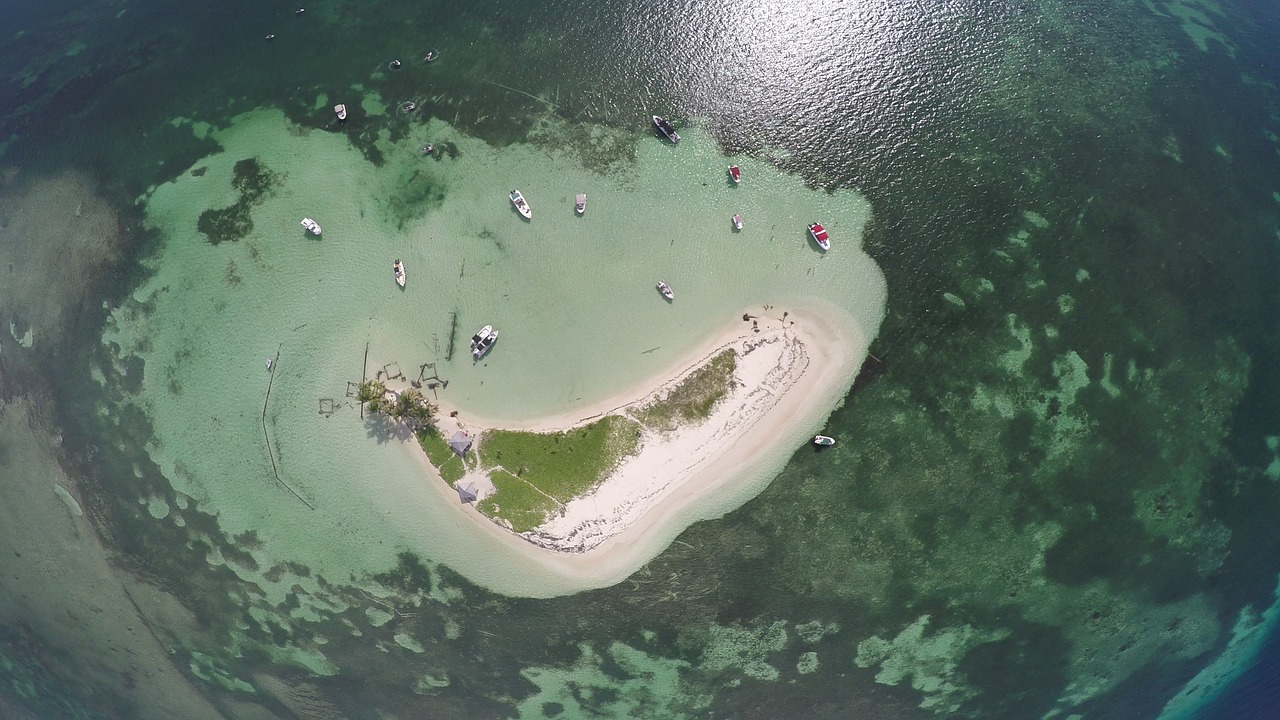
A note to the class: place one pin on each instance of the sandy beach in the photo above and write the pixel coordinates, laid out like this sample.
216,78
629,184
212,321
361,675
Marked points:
793,367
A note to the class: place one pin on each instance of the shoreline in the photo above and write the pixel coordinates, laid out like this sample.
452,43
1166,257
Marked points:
626,521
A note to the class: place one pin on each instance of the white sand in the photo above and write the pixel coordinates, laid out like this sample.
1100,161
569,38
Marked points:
790,376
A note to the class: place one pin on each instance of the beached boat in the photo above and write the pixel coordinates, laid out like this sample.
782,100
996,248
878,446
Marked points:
581,205
823,440
518,200
666,129
819,235
486,338
737,222
665,289
341,111
735,173
398,267
312,226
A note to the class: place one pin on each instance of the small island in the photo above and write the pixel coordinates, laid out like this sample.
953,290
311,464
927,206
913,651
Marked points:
570,484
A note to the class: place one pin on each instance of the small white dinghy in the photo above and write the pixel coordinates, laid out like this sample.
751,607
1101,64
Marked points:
581,205
398,267
665,289
341,111
312,226
737,222
518,200
823,441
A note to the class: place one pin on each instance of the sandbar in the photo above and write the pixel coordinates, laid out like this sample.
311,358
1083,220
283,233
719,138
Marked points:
794,367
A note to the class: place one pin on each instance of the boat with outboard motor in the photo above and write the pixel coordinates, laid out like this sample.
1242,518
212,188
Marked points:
823,441
735,173
521,205
666,291
819,235
398,268
312,226
665,128
483,341
737,222
580,206
341,111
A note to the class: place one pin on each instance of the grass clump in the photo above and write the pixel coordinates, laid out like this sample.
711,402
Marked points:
441,455
539,471
517,502
693,399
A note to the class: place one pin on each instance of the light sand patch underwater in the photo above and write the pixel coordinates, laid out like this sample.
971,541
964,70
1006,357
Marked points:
572,296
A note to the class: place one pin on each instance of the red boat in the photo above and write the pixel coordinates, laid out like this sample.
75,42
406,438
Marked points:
819,235
735,173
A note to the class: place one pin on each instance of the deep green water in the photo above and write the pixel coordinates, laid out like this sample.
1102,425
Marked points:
1056,478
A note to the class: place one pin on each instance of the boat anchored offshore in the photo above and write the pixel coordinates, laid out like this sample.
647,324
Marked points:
312,226
737,222
518,200
341,111
665,128
581,205
398,267
823,441
819,235
482,341
735,173
665,289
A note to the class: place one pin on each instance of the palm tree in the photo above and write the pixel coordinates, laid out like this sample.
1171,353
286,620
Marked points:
371,393
422,413
403,406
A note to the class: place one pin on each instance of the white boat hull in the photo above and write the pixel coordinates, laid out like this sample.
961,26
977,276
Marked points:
522,205
398,268
482,347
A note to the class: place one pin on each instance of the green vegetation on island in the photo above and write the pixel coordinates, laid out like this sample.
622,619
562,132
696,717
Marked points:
693,398
451,466
534,473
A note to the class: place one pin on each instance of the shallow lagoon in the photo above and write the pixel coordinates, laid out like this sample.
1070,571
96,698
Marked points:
572,296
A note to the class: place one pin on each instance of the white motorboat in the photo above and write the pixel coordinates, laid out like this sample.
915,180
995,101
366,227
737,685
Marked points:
484,333
665,289
737,222
312,226
581,205
341,111
819,235
430,56
823,441
398,267
665,128
483,341
518,200
736,173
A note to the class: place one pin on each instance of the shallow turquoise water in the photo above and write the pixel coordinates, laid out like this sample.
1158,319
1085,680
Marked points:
1055,475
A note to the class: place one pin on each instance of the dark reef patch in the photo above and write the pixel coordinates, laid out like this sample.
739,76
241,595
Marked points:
254,182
